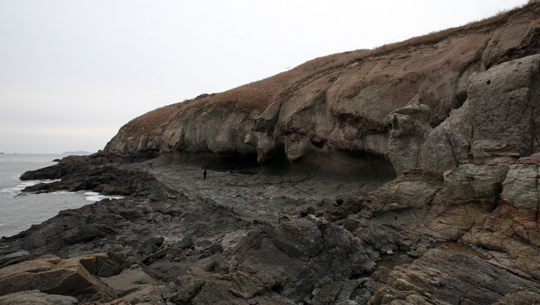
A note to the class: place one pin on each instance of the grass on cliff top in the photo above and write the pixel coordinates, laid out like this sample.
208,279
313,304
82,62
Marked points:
149,122
434,37
260,94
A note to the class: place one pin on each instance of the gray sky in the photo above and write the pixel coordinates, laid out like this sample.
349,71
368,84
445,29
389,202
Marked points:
72,72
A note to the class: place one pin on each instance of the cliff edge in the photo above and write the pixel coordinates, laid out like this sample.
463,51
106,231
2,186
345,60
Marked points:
443,130
345,112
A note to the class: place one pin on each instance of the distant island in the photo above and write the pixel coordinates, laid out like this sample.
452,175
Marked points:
79,152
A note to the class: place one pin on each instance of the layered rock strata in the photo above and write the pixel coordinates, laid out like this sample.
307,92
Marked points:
452,117
342,112
420,239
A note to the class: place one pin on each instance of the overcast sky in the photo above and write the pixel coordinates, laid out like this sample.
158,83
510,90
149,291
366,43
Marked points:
72,72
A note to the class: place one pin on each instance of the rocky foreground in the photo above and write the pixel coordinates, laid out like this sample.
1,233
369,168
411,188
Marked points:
403,175
239,238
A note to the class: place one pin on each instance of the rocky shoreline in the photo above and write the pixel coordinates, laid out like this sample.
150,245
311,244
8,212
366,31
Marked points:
254,239
407,175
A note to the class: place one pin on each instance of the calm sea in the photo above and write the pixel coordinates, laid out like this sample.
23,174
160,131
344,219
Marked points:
19,211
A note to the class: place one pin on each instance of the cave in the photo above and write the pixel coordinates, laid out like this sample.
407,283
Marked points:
334,165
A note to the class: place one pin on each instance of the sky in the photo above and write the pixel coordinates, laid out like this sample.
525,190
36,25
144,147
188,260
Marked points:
72,72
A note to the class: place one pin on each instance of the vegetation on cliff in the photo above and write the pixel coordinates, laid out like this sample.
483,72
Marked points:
408,174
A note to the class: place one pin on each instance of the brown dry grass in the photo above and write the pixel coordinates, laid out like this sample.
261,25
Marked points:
259,94
151,121
434,37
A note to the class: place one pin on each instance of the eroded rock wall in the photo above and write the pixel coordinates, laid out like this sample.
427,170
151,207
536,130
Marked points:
498,123
333,112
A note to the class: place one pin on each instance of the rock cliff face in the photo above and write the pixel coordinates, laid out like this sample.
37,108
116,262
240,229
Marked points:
349,111
444,130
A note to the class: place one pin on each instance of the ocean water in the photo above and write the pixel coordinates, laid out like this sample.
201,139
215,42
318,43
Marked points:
19,211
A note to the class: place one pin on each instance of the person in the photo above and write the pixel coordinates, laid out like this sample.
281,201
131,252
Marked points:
204,174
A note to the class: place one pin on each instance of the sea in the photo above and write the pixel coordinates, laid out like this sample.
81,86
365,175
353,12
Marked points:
19,211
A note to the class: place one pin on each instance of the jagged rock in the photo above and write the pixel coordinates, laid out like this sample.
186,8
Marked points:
504,106
57,276
473,207
408,126
404,202
470,181
291,259
128,281
135,286
522,297
108,180
332,209
449,277
35,297
521,186
277,258
69,164
151,245
513,237
328,294
532,159
116,224
498,120
299,239
50,172
456,219
375,235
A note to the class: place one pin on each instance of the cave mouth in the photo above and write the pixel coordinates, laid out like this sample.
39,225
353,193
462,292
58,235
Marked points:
245,164
363,166
337,166
234,163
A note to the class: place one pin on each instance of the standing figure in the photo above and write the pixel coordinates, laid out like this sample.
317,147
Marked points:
204,174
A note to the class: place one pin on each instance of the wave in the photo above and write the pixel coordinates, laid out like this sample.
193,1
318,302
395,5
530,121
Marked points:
16,190
95,196
90,195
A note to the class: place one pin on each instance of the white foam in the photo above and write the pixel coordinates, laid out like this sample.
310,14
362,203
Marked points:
90,196
60,192
95,196
17,189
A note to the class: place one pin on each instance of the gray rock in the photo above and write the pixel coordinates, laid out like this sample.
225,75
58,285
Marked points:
500,119
35,297
521,297
56,276
291,260
408,127
130,281
449,277
504,107
404,202
470,181
299,238
521,186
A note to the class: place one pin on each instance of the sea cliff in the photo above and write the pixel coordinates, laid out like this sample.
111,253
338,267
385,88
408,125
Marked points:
407,174
333,112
